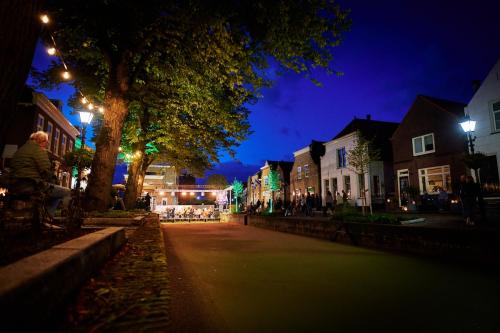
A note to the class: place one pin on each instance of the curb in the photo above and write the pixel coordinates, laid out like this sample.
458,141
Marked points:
114,221
33,287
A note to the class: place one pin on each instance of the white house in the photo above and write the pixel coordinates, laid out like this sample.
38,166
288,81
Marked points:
484,108
336,173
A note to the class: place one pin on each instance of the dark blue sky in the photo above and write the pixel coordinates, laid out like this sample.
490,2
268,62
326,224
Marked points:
394,51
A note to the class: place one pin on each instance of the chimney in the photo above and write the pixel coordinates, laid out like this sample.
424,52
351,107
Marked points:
475,85
368,117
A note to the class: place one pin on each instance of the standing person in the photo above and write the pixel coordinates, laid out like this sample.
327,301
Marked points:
338,198
330,203
31,170
442,199
344,198
468,197
147,200
309,204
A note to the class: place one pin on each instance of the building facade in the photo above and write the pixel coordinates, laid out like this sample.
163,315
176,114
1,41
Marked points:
35,112
284,168
338,176
484,108
306,171
429,148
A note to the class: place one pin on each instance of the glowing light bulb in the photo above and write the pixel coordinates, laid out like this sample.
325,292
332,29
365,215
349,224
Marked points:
84,100
101,109
120,149
91,106
66,75
51,50
45,18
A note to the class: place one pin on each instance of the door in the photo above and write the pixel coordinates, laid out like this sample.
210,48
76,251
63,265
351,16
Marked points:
403,184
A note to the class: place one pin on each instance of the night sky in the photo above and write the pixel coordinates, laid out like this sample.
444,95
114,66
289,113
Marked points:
394,51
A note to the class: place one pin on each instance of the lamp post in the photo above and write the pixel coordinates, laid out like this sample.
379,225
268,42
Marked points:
469,126
85,119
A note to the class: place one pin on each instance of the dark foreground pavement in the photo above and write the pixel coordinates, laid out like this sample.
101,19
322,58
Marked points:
245,279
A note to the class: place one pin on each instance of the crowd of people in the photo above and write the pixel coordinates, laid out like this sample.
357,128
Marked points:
189,213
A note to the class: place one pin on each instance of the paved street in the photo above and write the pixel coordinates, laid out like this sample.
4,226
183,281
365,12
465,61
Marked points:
227,277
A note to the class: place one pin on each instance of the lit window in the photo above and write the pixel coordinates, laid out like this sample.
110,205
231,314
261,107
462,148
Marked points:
431,179
423,144
40,122
299,172
56,141
49,133
306,171
63,145
496,116
341,158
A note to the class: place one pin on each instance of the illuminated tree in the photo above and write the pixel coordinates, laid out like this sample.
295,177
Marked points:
237,190
274,185
110,45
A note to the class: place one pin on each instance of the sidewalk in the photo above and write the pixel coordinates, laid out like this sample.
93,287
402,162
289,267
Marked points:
129,294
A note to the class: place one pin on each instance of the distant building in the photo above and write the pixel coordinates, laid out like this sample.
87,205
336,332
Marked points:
484,108
306,171
336,173
429,147
284,168
35,112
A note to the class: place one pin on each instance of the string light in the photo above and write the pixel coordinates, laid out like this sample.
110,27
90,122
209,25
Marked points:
45,18
52,50
66,75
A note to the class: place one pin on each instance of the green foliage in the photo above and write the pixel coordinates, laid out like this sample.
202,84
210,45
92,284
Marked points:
274,180
217,180
237,188
360,156
80,157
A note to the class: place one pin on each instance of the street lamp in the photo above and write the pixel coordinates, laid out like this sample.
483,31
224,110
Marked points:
469,126
85,119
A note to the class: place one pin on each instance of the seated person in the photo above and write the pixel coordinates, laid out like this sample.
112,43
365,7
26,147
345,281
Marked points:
31,170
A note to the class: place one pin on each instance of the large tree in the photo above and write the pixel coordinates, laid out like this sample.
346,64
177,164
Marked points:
107,43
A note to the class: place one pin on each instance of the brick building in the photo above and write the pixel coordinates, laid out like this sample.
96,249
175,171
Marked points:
35,112
306,171
429,147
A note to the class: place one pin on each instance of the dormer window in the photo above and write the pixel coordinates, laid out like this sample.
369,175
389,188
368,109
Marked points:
423,144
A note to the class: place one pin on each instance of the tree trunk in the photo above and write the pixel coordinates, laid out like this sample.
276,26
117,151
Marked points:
132,182
108,141
19,31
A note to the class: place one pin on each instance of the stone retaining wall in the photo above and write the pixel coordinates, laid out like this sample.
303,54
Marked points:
462,244
32,288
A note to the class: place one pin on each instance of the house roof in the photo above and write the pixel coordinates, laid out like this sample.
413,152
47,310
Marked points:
369,128
457,108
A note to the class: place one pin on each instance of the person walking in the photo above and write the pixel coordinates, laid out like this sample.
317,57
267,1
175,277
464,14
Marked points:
309,204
